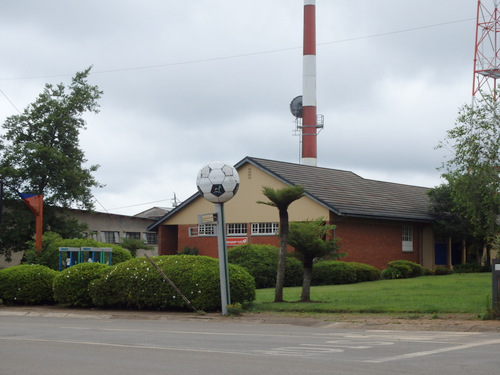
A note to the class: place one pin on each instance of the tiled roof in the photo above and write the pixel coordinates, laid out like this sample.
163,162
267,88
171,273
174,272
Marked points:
153,213
348,194
343,192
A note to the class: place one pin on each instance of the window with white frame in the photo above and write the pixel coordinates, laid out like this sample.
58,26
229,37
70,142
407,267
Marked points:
151,238
202,230
110,237
237,229
407,238
264,228
133,235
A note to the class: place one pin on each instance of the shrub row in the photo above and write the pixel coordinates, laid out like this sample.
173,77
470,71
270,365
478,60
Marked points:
331,272
459,268
27,285
338,272
137,284
442,270
402,269
261,261
471,268
133,284
71,286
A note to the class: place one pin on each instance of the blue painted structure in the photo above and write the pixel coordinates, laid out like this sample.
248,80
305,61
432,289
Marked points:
75,255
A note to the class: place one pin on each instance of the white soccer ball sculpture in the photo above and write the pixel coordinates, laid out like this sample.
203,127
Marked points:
217,182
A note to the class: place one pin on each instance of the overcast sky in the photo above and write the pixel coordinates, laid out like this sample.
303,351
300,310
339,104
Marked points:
187,82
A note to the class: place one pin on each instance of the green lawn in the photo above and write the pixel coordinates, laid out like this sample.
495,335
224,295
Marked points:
456,293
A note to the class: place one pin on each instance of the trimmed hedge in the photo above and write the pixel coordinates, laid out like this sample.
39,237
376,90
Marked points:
468,268
119,253
137,284
442,270
331,272
71,286
407,268
365,272
27,285
391,273
428,272
261,261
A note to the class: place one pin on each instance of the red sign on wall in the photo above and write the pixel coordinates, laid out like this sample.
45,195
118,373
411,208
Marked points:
235,241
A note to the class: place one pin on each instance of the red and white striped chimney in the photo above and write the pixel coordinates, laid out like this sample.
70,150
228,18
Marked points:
309,117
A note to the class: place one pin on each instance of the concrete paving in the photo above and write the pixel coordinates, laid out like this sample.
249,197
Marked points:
410,322
60,340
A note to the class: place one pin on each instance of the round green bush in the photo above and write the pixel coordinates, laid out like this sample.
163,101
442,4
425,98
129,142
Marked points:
442,270
428,272
27,285
331,272
261,261
391,273
71,286
407,268
119,253
365,272
137,284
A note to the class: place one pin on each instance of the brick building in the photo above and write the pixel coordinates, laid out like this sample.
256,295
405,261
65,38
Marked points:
376,221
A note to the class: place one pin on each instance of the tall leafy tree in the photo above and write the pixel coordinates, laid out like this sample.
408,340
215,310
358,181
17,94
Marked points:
40,153
312,240
472,172
281,199
449,220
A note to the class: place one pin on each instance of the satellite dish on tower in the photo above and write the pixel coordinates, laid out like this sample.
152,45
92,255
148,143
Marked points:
296,106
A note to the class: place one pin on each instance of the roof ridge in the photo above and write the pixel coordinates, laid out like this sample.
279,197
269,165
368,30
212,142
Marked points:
304,165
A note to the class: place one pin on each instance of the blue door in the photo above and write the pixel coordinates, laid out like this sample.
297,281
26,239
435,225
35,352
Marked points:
440,254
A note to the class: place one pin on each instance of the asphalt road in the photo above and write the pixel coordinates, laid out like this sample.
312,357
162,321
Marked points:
86,344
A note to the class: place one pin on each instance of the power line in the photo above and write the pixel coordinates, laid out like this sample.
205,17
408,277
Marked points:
136,205
398,31
97,200
10,101
166,65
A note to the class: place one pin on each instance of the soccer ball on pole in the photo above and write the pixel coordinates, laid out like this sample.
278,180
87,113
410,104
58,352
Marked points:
217,182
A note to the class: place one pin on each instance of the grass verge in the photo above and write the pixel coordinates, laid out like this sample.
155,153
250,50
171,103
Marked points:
456,293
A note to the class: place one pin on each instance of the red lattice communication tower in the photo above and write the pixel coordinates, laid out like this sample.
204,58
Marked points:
486,54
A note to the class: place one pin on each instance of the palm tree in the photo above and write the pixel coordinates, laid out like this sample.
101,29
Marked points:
312,240
281,199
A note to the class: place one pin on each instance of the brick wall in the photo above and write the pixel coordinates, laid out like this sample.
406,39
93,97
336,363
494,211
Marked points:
207,245
375,242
